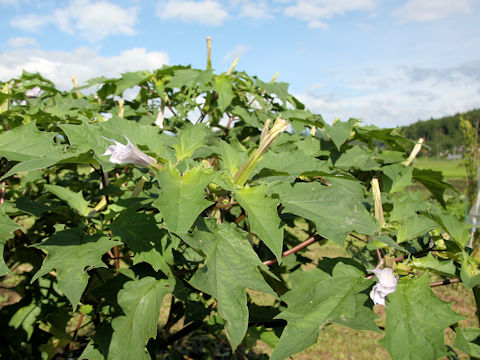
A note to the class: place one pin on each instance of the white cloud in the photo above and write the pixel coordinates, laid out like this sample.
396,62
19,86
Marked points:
206,12
29,22
317,24
255,10
19,42
9,2
314,11
85,63
431,10
404,96
237,51
92,20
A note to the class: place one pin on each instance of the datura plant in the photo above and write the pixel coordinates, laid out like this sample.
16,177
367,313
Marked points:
181,212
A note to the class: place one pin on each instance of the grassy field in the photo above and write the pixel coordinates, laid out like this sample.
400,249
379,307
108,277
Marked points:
451,169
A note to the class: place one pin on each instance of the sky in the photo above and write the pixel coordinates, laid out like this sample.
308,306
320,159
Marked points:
386,62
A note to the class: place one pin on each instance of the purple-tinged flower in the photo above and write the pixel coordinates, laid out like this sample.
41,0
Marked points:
128,154
34,92
387,284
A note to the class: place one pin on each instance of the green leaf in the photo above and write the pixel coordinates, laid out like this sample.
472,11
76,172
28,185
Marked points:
469,272
414,227
26,317
140,301
278,88
29,165
459,231
263,217
296,114
294,163
190,138
26,142
74,199
396,177
433,181
416,319
261,333
319,299
430,262
7,227
334,211
230,158
86,137
468,341
357,158
339,131
189,77
36,208
379,242
130,79
246,116
149,243
407,206
230,268
71,253
182,198
223,87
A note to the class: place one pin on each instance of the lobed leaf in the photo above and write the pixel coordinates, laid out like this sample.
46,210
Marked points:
318,299
230,268
71,253
416,319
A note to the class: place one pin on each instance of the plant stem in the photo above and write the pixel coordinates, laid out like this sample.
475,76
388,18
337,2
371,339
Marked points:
444,282
116,257
79,324
299,247
240,218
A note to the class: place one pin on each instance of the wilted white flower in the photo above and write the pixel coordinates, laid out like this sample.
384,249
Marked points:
128,154
34,92
387,284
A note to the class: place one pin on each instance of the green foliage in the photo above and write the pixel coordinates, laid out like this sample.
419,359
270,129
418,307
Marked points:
231,267
114,261
416,319
71,254
334,211
262,216
319,299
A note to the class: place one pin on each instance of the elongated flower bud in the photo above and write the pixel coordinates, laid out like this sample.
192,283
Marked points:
377,201
414,153
267,137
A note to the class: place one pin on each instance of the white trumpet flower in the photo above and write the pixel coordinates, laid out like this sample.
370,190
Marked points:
387,284
128,154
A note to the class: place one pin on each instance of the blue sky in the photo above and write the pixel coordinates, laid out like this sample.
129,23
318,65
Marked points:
387,63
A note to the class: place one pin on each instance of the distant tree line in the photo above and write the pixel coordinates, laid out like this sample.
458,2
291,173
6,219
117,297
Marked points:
443,135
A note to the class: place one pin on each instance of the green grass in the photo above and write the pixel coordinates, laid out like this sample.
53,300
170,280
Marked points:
451,169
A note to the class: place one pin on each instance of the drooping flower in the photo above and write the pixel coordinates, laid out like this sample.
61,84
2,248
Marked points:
387,284
128,154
